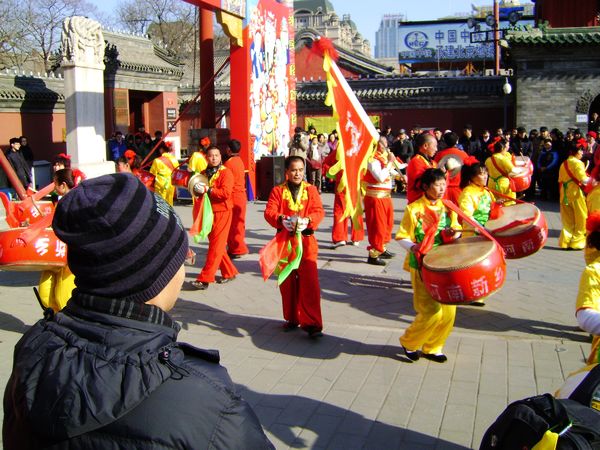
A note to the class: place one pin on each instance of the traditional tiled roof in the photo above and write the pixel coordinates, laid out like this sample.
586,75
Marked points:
396,87
29,92
138,54
545,36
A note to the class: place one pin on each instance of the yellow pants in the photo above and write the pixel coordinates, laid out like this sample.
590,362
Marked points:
573,217
56,287
433,322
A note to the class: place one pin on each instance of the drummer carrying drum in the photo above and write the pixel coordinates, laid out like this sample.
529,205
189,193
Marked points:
424,219
501,169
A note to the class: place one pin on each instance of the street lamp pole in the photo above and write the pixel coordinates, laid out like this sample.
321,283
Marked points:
507,89
496,38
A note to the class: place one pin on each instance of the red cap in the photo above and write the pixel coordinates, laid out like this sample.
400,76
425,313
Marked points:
593,134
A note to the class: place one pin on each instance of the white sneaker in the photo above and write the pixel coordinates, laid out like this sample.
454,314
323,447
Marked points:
338,244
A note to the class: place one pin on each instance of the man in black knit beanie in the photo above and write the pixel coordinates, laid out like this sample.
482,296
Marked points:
107,371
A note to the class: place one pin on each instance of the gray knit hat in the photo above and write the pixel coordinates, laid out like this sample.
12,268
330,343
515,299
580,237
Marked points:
123,241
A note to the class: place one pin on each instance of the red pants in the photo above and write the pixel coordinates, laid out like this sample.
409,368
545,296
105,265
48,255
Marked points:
300,292
217,257
452,194
237,232
379,214
339,231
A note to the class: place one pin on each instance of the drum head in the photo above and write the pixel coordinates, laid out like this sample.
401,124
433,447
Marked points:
510,214
451,163
463,253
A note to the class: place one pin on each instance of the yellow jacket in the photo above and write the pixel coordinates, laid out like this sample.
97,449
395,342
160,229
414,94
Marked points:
476,203
162,183
497,180
411,226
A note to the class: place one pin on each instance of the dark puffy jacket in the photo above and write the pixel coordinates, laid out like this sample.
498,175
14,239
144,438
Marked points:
88,380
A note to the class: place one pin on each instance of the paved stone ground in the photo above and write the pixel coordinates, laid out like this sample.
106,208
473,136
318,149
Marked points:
354,388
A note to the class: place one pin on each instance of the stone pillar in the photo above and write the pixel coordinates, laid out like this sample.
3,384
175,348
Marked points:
83,55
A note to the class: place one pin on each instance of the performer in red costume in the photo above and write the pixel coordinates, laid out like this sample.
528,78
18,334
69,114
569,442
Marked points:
454,159
339,232
219,191
379,210
296,207
236,245
426,149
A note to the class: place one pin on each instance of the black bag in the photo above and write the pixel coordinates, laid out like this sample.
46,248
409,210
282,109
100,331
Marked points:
523,424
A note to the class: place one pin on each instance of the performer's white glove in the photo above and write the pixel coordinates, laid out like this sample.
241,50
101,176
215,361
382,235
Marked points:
199,188
302,224
288,224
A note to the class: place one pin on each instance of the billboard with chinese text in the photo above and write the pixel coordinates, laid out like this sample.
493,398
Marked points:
444,41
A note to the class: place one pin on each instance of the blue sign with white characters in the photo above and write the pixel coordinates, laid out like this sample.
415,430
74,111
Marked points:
445,41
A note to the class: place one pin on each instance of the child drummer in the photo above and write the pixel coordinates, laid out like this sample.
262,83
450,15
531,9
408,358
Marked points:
475,200
423,218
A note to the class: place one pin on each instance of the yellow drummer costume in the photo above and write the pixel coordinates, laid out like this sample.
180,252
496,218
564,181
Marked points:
498,179
434,321
587,309
475,202
162,168
588,306
197,164
592,202
56,287
573,209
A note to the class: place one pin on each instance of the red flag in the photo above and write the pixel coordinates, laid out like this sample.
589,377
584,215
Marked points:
357,133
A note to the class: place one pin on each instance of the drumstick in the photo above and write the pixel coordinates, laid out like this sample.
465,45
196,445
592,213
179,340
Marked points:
48,312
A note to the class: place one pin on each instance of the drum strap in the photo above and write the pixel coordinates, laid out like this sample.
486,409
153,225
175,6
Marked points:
575,180
502,172
565,184
167,162
471,222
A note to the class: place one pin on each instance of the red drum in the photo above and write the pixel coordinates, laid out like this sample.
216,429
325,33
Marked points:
521,230
45,252
181,177
146,178
33,213
464,271
522,182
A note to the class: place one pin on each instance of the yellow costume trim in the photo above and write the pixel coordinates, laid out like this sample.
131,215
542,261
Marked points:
295,206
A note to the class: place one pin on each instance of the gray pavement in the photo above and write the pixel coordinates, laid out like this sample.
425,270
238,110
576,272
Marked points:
354,388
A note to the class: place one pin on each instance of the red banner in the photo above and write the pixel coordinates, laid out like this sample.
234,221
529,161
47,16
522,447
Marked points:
357,136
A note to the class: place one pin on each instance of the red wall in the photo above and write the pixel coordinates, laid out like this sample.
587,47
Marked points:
563,14
44,132
452,119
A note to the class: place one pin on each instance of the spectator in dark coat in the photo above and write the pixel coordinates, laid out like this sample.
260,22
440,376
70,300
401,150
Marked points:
26,151
18,163
107,372
470,144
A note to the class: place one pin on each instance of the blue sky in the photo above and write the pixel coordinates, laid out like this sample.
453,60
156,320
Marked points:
367,14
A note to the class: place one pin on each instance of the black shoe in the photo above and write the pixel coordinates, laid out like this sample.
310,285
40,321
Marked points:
375,261
413,356
439,358
200,285
289,326
477,303
387,255
315,334
226,280
231,256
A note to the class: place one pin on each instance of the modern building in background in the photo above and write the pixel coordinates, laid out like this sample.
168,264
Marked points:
387,38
